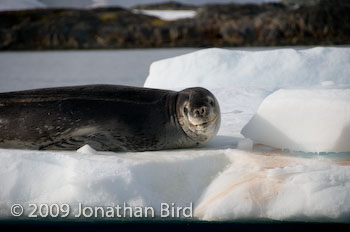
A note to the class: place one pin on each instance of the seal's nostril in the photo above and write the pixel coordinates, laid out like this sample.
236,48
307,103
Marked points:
197,113
205,111
201,112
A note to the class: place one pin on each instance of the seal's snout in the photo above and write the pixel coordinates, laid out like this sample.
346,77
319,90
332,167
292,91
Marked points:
201,112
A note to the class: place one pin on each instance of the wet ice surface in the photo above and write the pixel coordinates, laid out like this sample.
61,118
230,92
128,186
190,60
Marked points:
228,179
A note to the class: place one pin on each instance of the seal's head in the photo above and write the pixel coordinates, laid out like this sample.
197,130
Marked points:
198,113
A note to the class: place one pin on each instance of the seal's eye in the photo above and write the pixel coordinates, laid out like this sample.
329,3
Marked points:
211,102
185,110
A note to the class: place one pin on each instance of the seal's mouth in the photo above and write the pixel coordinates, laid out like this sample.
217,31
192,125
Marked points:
202,125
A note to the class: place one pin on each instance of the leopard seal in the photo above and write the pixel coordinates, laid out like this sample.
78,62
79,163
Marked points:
108,118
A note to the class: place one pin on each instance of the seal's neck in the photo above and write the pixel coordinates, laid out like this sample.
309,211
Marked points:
171,105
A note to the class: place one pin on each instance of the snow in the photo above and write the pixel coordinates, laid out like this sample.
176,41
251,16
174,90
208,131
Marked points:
222,184
277,186
286,120
86,149
168,14
245,144
106,179
231,178
20,4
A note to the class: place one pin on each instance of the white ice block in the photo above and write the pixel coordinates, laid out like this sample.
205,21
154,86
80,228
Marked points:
213,68
309,120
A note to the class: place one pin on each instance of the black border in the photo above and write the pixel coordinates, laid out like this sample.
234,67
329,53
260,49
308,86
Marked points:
164,225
